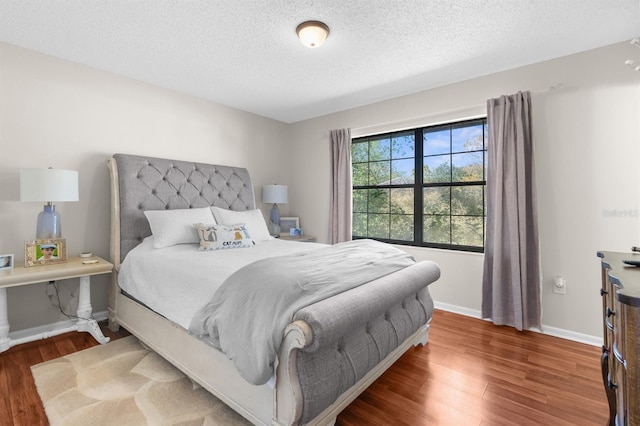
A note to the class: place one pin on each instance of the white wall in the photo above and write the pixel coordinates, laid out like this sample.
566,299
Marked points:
587,153
59,114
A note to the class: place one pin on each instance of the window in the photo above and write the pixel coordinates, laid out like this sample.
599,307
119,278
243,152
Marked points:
423,187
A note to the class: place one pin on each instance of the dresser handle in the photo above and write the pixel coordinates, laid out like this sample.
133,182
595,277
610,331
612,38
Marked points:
603,292
612,385
610,312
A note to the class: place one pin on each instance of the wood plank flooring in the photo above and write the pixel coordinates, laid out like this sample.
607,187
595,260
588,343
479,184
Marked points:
474,373
470,373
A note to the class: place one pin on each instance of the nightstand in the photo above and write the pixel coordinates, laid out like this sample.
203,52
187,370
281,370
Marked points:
73,268
302,238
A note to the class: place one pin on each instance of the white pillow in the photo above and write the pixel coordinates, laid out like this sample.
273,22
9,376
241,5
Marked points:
170,227
253,219
216,237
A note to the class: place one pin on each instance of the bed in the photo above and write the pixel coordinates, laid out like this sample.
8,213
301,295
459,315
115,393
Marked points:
330,351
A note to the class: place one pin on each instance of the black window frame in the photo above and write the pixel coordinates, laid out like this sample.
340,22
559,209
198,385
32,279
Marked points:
418,185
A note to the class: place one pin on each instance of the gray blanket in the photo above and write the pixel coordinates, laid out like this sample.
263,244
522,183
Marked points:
247,316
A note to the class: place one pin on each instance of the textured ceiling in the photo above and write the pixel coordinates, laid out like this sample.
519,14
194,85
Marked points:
245,54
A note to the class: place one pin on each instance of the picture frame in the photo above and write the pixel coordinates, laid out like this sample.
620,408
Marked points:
295,232
45,252
286,223
6,261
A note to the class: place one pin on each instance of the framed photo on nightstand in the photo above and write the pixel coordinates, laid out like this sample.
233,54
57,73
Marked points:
45,252
6,261
286,223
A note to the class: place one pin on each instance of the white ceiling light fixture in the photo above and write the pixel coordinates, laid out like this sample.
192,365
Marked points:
312,33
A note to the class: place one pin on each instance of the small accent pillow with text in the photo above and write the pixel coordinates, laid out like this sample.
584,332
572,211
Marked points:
216,237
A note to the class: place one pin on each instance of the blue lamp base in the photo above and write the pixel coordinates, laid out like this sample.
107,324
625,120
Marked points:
274,221
49,225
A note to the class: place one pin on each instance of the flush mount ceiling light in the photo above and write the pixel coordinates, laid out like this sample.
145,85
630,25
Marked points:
312,33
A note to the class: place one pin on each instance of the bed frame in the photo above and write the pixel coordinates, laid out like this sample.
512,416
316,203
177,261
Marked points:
331,352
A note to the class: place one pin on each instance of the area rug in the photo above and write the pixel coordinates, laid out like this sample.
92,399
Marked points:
122,383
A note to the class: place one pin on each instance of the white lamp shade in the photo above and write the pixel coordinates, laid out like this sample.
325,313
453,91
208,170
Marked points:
274,194
312,33
48,185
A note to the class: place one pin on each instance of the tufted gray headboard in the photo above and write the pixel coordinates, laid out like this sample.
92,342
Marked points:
146,183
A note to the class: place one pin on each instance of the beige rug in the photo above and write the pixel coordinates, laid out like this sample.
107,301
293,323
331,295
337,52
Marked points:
122,383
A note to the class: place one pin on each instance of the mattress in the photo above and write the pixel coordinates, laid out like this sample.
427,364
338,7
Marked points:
177,281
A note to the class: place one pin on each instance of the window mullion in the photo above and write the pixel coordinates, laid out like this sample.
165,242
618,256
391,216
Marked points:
369,184
418,199
450,185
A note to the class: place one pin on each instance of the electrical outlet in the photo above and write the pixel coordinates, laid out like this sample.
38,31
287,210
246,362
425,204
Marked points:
559,285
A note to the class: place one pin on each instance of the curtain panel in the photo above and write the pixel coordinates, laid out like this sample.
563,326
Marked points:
340,219
511,276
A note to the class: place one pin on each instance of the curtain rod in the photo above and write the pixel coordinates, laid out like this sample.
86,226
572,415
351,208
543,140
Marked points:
552,88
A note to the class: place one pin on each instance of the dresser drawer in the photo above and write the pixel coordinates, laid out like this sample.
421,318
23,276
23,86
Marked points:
609,304
617,317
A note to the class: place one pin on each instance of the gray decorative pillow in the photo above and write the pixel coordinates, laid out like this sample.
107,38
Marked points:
216,237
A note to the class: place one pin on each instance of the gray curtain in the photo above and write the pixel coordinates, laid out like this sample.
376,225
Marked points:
340,204
511,278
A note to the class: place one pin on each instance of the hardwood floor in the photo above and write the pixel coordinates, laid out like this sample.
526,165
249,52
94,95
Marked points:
470,373
474,373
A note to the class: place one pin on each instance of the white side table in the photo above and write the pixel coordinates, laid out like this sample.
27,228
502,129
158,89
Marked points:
73,268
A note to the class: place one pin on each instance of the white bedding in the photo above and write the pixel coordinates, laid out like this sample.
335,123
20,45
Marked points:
178,280
250,310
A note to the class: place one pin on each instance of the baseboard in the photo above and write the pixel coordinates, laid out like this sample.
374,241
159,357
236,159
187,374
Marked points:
551,331
458,309
19,334
546,329
572,335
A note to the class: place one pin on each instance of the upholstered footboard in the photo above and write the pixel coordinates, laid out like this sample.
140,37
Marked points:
342,344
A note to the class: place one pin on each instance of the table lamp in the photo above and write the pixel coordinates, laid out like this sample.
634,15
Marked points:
48,185
276,194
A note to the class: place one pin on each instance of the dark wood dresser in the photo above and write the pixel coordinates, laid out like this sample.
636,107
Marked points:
621,350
